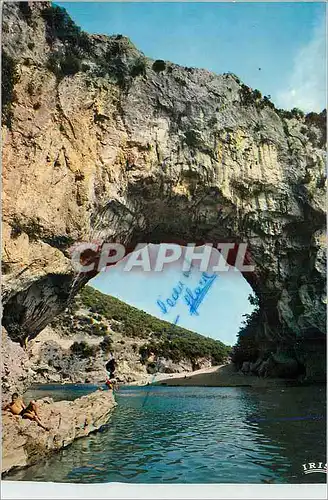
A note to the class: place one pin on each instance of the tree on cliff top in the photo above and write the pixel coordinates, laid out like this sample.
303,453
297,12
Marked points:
246,348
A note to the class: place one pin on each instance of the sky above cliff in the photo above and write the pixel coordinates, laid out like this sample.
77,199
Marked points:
218,315
276,47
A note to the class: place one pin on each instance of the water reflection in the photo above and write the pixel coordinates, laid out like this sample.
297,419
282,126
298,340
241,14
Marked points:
198,435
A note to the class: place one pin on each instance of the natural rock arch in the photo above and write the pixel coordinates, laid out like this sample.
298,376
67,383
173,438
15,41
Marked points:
180,154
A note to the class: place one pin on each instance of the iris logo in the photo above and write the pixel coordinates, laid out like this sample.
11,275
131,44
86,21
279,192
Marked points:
312,467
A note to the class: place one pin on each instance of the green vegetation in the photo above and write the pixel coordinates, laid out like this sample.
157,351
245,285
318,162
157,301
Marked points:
8,81
63,64
83,349
26,11
266,102
70,64
161,338
188,345
119,45
232,75
98,329
60,25
76,43
121,62
294,113
159,65
257,94
314,124
249,96
139,67
106,345
318,120
93,324
246,348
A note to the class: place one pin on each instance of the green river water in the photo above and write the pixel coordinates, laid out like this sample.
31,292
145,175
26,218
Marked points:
164,434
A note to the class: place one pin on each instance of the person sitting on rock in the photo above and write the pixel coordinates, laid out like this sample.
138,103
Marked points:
18,407
109,384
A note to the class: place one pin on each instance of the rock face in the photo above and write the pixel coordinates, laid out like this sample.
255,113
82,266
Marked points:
52,360
15,367
25,443
164,365
103,143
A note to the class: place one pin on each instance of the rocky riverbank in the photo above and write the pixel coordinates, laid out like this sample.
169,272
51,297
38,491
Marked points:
75,347
25,443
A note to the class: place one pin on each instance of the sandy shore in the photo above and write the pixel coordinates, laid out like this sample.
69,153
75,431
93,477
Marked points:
167,377
215,376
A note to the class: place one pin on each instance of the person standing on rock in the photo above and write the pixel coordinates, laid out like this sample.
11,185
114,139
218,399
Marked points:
18,407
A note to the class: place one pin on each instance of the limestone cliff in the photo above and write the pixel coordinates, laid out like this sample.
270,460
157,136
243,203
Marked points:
103,143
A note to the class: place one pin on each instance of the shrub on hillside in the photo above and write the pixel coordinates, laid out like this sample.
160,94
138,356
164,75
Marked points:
139,67
246,348
64,64
9,79
106,345
83,349
161,338
60,25
159,65
26,11
98,329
